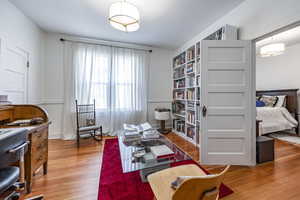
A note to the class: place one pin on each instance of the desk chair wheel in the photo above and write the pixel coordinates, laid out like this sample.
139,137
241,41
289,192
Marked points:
15,197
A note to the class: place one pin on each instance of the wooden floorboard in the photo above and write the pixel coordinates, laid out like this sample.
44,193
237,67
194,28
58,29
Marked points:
74,173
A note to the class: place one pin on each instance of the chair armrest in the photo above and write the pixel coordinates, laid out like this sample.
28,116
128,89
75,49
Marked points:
18,147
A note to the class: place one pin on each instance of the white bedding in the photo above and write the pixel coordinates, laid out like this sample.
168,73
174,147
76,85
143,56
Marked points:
275,119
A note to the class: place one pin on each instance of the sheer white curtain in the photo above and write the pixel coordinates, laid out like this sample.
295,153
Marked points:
114,77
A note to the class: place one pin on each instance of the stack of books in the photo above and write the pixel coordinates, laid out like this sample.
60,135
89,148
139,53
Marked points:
130,136
162,153
137,128
150,135
134,132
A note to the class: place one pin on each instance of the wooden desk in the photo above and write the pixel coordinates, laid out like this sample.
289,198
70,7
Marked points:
37,153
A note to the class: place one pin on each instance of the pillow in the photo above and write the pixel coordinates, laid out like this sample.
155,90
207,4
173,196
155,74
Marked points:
281,101
270,101
260,104
258,98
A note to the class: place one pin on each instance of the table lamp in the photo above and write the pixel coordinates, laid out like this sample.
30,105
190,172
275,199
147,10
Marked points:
162,114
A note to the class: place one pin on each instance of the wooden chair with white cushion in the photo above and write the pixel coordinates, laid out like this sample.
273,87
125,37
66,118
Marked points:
86,121
199,187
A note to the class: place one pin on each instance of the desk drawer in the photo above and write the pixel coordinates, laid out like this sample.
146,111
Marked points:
39,136
39,148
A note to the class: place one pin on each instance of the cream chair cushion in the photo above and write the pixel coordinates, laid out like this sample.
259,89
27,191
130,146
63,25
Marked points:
160,182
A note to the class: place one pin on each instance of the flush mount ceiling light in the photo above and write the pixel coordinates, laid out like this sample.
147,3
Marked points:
272,50
124,16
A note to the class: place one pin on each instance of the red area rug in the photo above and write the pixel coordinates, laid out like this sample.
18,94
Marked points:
116,185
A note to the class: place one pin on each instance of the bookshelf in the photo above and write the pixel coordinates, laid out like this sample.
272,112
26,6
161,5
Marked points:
186,107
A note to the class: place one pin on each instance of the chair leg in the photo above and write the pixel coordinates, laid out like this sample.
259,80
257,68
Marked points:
96,136
78,137
40,197
101,132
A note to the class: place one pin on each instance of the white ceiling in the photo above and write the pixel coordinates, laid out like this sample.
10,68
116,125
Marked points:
164,23
289,37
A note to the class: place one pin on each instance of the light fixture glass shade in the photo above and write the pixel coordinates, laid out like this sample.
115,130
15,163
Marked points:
272,50
124,16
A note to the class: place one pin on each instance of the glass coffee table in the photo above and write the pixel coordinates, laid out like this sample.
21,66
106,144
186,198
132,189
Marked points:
143,164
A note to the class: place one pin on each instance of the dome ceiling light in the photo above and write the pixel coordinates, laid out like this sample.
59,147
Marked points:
274,49
124,16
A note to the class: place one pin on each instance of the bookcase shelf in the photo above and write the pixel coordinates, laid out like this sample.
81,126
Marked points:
186,107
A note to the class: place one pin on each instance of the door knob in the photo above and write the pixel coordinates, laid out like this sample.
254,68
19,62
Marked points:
204,111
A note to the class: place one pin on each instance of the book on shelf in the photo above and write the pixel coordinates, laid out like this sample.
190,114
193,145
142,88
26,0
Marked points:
190,94
218,35
190,81
190,117
191,53
198,111
179,60
178,95
190,105
178,107
198,49
190,132
179,125
190,68
197,133
198,94
178,73
198,81
179,84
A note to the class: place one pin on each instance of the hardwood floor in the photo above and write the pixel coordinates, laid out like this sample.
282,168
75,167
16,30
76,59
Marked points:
74,173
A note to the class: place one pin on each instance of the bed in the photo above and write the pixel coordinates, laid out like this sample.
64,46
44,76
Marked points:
278,118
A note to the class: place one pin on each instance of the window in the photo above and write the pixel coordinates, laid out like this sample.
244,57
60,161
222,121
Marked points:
114,77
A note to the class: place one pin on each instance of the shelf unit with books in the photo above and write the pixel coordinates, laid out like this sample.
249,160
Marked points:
186,109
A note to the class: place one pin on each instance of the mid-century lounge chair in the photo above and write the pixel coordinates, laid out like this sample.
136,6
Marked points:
199,187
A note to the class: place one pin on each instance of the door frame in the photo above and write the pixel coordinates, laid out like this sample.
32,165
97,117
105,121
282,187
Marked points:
276,31
27,55
253,102
254,41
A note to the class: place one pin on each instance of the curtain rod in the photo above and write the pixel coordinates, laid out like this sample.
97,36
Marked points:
68,40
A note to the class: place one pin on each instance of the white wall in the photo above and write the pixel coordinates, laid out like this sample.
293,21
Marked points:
254,18
18,31
279,72
159,90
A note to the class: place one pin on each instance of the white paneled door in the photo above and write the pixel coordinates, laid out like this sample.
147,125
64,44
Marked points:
227,100
14,73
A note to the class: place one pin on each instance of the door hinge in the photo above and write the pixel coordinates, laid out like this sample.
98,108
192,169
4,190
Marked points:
27,64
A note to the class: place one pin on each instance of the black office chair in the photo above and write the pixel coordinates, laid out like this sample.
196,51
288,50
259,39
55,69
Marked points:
13,145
